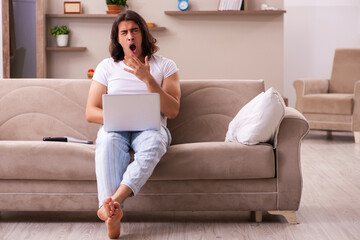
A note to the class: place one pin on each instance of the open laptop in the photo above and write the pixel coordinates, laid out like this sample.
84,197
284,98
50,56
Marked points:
131,112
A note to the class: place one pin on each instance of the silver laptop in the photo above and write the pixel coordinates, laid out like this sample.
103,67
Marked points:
131,112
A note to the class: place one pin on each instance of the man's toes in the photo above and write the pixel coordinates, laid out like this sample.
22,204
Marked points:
106,206
116,211
107,200
112,208
117,205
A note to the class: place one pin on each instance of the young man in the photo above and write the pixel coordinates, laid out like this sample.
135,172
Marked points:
132,68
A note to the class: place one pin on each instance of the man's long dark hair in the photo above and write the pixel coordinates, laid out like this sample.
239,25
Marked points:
148,41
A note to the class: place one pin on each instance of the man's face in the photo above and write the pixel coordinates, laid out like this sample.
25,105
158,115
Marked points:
130,38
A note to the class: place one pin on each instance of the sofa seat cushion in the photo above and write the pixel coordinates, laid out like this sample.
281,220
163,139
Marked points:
330,103
39,160
216,160
46,160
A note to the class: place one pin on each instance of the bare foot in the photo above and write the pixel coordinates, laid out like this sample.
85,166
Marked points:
113,222
104,212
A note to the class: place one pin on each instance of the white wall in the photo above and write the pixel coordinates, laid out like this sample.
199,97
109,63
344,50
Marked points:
204,47
313,29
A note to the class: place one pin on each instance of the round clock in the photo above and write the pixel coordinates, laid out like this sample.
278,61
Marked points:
183,4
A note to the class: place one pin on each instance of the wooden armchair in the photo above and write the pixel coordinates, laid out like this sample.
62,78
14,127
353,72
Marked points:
333,104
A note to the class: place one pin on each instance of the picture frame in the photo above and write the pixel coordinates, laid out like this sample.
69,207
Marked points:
72,7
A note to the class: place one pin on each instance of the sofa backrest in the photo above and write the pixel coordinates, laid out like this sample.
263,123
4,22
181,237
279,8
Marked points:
208,106
345,71
31,109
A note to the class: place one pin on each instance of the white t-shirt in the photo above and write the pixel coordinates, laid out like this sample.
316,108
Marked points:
118,81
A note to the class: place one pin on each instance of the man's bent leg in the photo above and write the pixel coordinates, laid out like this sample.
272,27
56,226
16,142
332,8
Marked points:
149,147
112,158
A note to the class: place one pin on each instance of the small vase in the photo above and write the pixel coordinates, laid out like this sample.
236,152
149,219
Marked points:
114,9
90,75
62,40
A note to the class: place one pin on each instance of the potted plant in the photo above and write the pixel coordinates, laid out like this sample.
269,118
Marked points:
62,35
90,73
115,6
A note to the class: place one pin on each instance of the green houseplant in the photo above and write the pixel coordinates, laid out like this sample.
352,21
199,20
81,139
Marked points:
115,6
117,2
62,35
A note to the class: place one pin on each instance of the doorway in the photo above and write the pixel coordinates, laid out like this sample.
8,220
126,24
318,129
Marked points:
23,41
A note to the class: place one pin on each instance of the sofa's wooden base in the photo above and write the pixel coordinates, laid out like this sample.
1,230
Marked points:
290,216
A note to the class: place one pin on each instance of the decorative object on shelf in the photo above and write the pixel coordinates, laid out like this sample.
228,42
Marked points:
90,73
226,13
72,8
62,35
183,5
115,6
150,25
230,5
264,6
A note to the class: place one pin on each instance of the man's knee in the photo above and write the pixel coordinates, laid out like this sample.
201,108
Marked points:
156,138
155,142
152,150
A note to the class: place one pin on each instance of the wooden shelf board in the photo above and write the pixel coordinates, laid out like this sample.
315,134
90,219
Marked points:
112,16
59,49
157,28
242,12
51,15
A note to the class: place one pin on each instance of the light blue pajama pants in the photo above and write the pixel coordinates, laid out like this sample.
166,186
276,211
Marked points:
112,159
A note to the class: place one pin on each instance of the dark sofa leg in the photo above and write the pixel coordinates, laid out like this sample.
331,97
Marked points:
328,135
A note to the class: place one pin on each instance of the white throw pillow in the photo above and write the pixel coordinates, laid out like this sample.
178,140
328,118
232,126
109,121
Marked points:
259,120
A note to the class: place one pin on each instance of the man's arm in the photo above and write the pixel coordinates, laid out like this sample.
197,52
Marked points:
169,91
169,95
94,112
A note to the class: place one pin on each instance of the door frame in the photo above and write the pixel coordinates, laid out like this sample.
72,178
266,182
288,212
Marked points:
6,38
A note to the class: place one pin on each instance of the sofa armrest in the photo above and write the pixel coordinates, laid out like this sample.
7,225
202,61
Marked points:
309,86
293,129
356,111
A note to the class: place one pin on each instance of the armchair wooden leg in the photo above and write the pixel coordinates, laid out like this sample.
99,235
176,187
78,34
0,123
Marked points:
258,216
290,216
357,137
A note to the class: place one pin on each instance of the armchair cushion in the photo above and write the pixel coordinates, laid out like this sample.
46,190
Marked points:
331,103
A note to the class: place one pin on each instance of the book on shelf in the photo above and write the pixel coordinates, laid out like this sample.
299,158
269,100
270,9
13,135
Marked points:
230,5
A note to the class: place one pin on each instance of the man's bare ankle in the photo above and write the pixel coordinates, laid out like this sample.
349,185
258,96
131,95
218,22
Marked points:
101,213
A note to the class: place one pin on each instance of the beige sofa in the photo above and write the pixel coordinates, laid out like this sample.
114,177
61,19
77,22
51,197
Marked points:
200,172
